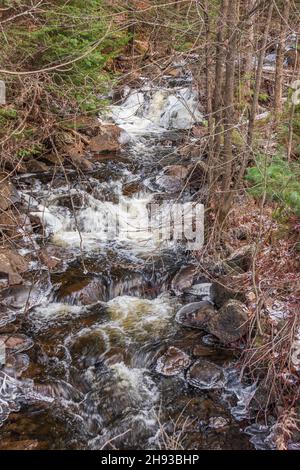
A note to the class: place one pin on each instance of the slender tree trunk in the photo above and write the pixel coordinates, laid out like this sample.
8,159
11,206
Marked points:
258,78
209,90
280,58
296,74
132,26
248,63
219,77
229,93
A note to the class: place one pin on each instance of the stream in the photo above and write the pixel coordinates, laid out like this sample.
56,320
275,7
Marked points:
89,370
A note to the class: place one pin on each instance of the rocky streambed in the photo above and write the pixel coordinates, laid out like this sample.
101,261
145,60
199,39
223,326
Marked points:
119,341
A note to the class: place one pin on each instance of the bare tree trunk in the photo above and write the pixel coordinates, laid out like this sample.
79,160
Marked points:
258,77
280,58
248,64
229,93
296,74
131,28
219,76
209,90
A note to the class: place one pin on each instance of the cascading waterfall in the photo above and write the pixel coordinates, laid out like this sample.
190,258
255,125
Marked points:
97,359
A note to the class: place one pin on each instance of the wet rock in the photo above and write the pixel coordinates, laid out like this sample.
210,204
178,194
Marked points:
220,293
71,200
172,362
201,350
169,183
15,364
178,171
205,375
241,258
211,341
16,342
80,289
14,224
217,422
25,296
82,163
183,279
196,314
108,139
230,323
8,193
131,188
172,178
11,265
51,257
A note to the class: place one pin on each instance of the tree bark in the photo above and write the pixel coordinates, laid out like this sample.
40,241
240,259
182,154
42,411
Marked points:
258,77
280,58
209,90
229,93
248,63
219,78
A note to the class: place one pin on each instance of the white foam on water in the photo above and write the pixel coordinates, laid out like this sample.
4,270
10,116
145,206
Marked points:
133,320
134,222
46,316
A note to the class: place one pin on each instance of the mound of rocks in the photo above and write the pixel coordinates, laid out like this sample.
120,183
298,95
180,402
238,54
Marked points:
196,314
228,324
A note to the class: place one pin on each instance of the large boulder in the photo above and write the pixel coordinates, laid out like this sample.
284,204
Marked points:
230,323
108,139
172,362
196,314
